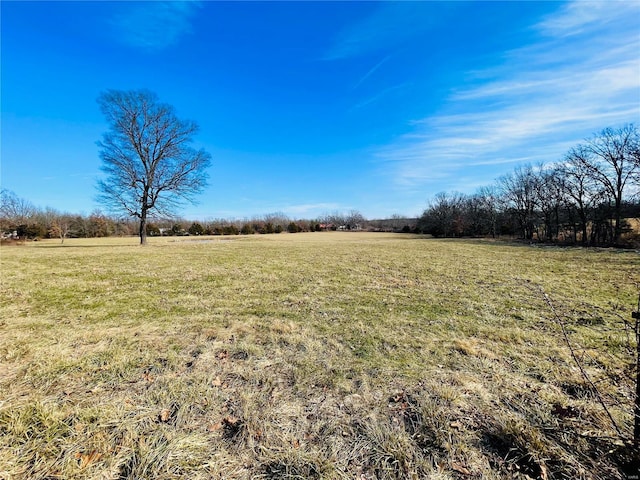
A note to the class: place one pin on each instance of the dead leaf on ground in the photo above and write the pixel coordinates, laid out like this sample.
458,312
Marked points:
217,382
460,469
222,355
230,420
86,459
165,415
215,427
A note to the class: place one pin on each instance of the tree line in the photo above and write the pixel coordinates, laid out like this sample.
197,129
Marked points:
590,197
20,219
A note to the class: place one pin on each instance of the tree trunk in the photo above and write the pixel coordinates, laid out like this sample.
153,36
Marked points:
617,231
636,405
143,228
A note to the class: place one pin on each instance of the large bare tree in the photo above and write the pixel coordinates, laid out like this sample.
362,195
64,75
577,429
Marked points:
611,160
519,192
582,192
149,164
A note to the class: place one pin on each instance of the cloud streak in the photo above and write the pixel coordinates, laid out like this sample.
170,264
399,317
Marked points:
391,24
379,96
580,76
154,26
371,72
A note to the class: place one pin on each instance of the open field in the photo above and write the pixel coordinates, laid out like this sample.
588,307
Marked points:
320,355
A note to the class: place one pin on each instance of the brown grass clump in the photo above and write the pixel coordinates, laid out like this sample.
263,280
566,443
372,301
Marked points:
313,356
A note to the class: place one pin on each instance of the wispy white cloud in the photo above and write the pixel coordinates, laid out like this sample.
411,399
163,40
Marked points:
154,25
379,95
583,74
371,71
578,17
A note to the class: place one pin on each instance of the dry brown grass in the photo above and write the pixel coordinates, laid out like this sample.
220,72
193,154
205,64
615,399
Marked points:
326,355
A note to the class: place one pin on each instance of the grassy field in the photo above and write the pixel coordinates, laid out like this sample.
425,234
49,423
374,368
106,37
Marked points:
320,355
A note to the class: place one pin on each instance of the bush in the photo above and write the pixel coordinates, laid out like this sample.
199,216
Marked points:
196,229
31,231
293,228
247,229
153,230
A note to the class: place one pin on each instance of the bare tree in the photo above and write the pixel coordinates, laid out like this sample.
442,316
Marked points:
489,198
519,191
611,158
581,192
354,220
60,227
550,193
445,215
149,164
14,210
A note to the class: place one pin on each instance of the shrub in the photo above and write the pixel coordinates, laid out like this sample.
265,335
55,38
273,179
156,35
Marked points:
153,230
247,229
196,229
31,231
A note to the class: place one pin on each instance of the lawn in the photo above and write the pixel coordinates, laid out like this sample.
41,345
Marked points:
317,355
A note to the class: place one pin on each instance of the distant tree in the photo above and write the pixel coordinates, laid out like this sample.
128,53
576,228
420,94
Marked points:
149,164
550,200
398,222
153,230
31,231
277,219
335,220
79,226
354,220
230,230
581,193
14,210
176,229
445,216
293,227
519,191
99,225
60,226
196,229
268,228
489,198
611,159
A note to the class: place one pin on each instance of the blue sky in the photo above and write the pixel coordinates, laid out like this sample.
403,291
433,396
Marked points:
315,107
